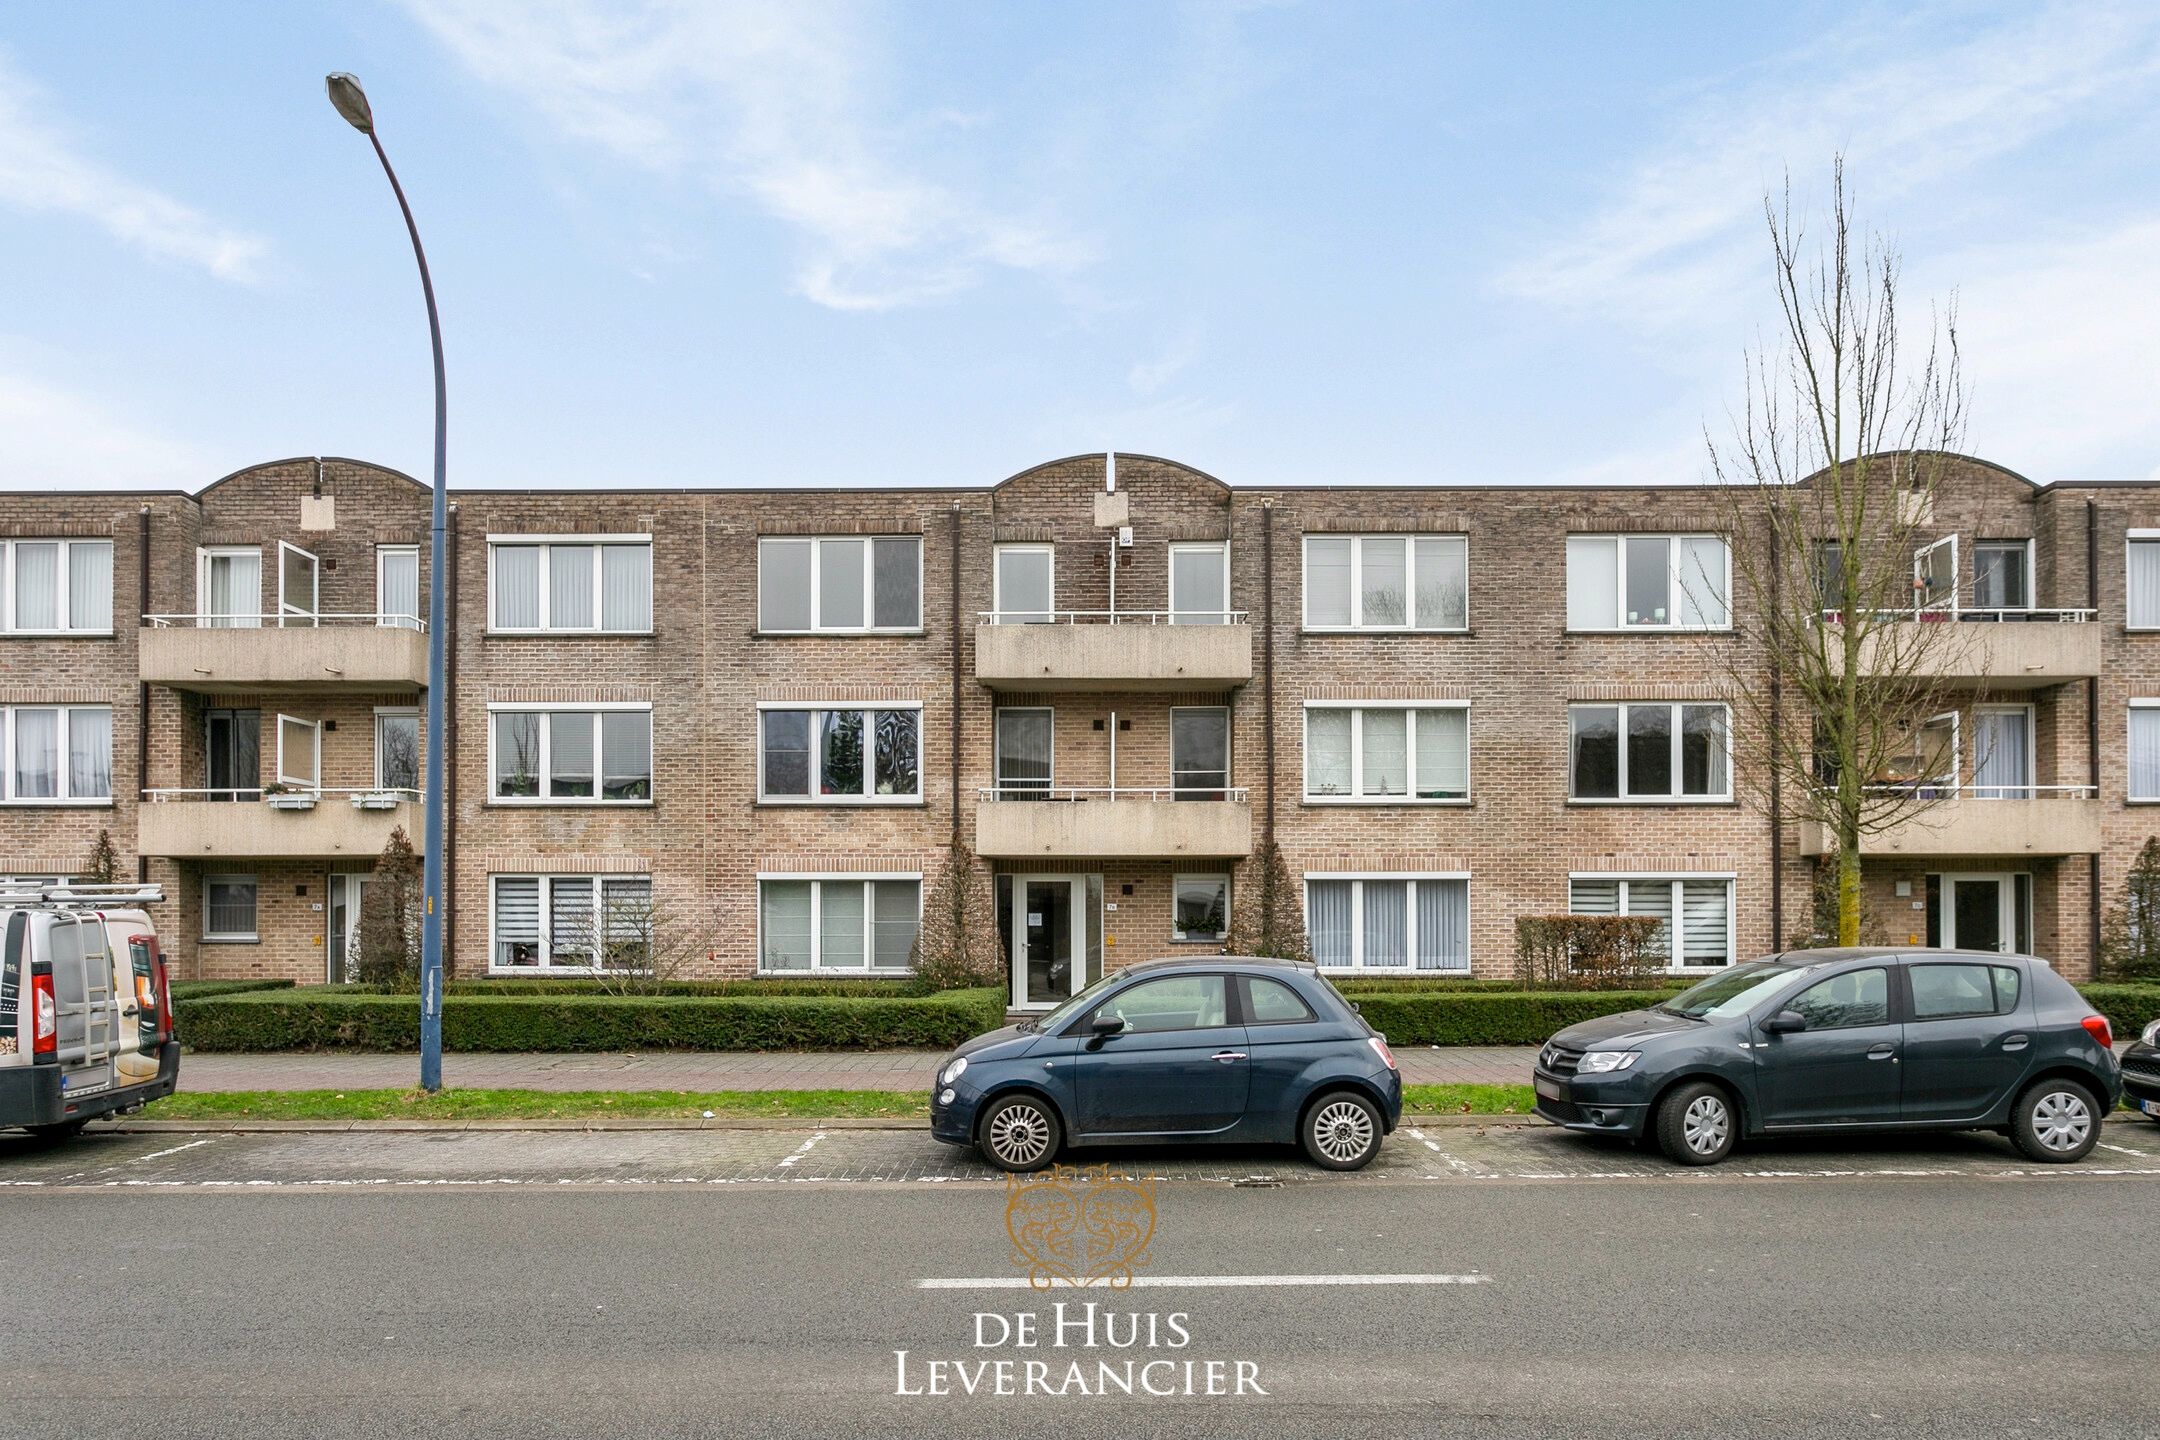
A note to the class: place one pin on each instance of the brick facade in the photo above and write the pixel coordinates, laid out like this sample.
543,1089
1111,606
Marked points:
705,668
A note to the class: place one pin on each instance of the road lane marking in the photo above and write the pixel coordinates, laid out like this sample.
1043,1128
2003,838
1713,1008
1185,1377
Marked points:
161,1154
2122,1150
801,1150
1203,1282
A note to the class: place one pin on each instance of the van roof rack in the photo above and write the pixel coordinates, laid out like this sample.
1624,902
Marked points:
79,897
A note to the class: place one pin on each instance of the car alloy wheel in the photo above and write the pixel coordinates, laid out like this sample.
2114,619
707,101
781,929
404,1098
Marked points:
1342,1131
1697,1124
1019,1136
1706,1124
2062,1120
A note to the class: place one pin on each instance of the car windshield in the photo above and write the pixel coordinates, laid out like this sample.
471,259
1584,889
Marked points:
1086,997
1733,992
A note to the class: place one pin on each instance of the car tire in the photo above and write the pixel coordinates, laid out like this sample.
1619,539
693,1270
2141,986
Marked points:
62,1130
1019,1133
1697,1124
2055,1122
1341,1130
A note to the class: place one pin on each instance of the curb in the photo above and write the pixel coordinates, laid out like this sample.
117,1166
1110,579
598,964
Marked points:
603,1124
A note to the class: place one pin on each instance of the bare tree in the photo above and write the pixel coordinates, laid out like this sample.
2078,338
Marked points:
635,940
957,947
1829,481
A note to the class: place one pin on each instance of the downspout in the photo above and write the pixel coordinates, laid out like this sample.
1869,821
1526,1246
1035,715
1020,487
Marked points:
2092,729
446,574
952,538
1267,659
142,688
1776,756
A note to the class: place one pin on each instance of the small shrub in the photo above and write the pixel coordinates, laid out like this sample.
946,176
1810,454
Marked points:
1267,910
2130,936
387,948
1588,952
957,947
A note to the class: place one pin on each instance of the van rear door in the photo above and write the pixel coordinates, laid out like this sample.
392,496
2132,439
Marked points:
82,972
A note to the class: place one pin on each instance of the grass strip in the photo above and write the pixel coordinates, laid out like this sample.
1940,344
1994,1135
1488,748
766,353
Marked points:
1468,1099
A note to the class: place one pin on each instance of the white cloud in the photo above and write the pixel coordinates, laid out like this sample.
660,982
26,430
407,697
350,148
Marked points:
43,172
56,439
767,98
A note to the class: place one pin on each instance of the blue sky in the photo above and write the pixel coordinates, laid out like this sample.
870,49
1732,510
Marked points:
810,244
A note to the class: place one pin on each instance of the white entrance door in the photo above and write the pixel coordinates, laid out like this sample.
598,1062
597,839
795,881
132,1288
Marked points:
1981,912
341,927
1049,939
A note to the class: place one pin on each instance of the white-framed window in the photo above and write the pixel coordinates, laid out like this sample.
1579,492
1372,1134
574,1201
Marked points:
840,754
2003,575
1023,584
1650,752
1699,906
580,584
845,924
299,586
397,748
1200,907
56,587
1200,582
56,755
1387,582
1024,751
568,922
397,586
1648,582
228,586
1390,754
839,584
1389,922
570,754
2141,580
2004,758
299,753
228,907
2145,750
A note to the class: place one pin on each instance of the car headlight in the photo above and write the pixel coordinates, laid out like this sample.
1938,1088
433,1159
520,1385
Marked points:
2152,1033
1601,1062
953,1071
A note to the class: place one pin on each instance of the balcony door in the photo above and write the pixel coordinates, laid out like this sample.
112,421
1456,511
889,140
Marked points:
229,588
1199,584
1935,580
1199,752
1023,753
1025,585
232,751
2003,752
299,586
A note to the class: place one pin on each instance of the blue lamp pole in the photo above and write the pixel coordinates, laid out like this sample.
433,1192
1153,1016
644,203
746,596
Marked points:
351,102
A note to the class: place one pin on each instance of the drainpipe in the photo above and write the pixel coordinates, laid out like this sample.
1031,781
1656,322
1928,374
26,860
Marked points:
446,574
1267,658
142,689
1776,752
2092,727
952,538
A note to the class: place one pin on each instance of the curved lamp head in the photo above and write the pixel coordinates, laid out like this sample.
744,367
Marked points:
351,101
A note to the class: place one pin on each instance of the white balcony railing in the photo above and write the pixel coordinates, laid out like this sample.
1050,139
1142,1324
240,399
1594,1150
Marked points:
1236,794
299,621
1965,614
373,798
1111,617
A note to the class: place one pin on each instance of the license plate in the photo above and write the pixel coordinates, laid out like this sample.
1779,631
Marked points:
1548,1089
2150,1107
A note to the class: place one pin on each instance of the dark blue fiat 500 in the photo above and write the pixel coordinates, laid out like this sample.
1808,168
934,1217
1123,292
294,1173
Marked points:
1251,1051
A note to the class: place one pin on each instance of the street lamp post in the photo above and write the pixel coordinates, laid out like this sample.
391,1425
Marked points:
352,103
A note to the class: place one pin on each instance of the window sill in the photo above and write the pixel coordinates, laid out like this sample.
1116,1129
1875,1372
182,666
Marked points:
1637,802
915,634
1377,802
44,802
815,972
230,940
1198,939
570,803
1385,631
56,634
1651,630
494,634
825,802
1401,972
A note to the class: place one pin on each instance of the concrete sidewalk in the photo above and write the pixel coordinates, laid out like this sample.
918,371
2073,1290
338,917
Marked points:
710,1070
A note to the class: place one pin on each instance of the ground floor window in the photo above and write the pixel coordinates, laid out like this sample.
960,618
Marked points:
571,922
1697,911
1389,922
228,907
1200,907
838,923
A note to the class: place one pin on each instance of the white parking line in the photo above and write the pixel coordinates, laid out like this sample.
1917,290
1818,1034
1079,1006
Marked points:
161,1154
1204,1282
801,1150
2122,1150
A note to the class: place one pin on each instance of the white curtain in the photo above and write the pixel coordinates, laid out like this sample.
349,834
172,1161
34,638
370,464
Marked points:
784,924
570,586
1653,898
2145,753
90,585
1384,581
1199,585
896,916
626,587
37,586
1024,587
570,754
1702,581
2000,768
783,585
235,599
1593,582
37,754
1327,580
1443,924
2142,584
1443,754
517,587
1387,923
841,920
1327,917
840,584
399,600
1387,752
89,754
1327,752
1703,751
1443,582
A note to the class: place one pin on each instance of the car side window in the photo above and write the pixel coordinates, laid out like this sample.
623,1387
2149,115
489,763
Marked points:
1858,997
1270,1002
1947,992
1175,1002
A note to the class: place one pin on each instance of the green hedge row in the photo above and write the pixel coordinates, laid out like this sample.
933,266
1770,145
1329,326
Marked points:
204,989
2129,1008
325,1018
1458,985
566,985
1488,1017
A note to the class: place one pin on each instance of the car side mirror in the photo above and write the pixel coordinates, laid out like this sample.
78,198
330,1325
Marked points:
1785,1022
1107,1025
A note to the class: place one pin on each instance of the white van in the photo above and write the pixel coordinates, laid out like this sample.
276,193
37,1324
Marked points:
86,1022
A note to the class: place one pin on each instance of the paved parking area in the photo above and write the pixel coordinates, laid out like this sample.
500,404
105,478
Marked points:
710,1070
1450,1155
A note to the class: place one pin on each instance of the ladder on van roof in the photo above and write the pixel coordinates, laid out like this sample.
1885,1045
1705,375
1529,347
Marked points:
78,897
101,1011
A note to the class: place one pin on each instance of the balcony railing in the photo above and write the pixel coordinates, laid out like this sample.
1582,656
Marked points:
1112,617
2008,649
1113,650
1978,820
1966,614
1104,822
292,620
229,653
273,822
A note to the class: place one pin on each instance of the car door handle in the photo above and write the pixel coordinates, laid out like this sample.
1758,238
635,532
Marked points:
1882,1052
2016,1042
1226,1056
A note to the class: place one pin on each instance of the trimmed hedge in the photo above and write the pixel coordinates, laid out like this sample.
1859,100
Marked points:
1353,986
325,1017
1489,1017
571,985
205,989
2129,1008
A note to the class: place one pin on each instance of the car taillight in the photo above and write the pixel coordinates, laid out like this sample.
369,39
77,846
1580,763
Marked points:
2097,1027
1379,1045
164,1001
45,1037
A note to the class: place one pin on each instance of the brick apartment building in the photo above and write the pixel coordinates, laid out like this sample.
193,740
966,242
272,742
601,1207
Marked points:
773,710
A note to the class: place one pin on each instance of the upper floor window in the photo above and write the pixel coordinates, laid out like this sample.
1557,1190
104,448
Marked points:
579,756
836,756
1648,582
55,754
2145,749
844,584
1200,583
2141,580
397,749
228,586
598,584
1387,582
397,586
56,587
1394,754
1649,752
2002,575
1696,911
1024,584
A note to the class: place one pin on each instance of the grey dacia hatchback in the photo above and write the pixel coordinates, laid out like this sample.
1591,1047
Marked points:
1844,1040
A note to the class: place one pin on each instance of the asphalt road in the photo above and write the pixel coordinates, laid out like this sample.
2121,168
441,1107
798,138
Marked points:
694,1283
